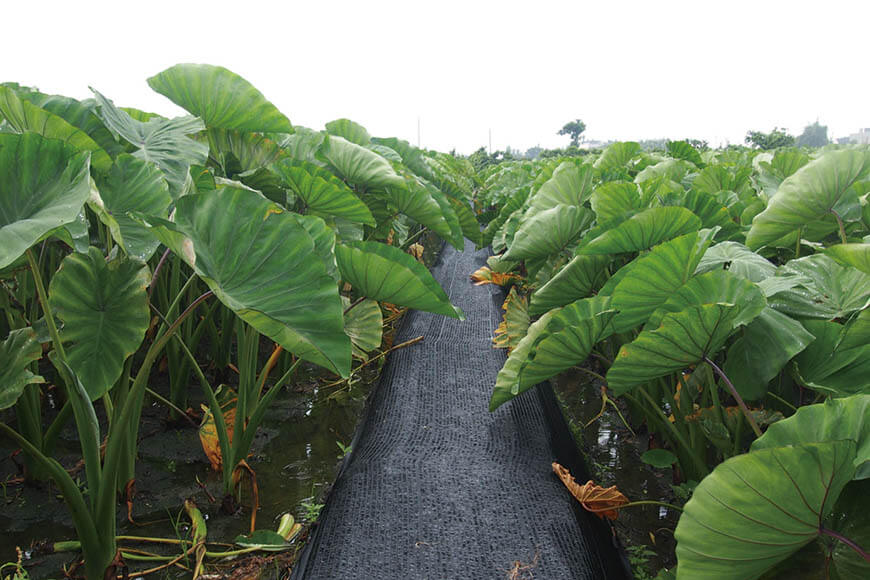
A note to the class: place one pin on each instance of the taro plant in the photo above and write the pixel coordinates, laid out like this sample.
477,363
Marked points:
713,295
127,237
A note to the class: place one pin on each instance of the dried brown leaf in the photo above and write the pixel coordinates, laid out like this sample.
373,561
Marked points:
603,501
486,276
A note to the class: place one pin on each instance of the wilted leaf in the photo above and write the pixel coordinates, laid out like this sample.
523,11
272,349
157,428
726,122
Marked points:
486,276
515,324
603,501
208,436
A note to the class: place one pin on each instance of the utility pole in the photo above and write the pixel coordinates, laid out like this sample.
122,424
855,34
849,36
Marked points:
490,141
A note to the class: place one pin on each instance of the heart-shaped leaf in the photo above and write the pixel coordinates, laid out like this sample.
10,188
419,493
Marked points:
350,130
133,185
256,258
219,97
576,280
827,290
164,142
758,509
45,184
855,255
809,195
17,352
104,309
24,117
655,276
644,230
548,232
846,418
388,274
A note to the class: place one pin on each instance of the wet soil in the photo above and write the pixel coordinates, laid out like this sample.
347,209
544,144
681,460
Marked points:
613,456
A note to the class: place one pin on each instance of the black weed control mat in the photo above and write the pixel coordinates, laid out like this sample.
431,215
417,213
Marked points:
436,486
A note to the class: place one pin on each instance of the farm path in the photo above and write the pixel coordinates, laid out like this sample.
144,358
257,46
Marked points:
436,486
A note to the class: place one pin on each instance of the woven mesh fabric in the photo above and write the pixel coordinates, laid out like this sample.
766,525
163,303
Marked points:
436,486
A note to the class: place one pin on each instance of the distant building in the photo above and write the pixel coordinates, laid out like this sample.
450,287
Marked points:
862,137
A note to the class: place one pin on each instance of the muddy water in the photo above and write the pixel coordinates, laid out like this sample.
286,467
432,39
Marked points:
613,455
295,456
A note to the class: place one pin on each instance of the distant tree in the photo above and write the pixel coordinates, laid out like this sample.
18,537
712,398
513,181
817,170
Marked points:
569,151
575,129
699,144
779,137
814,135
480,159
532,152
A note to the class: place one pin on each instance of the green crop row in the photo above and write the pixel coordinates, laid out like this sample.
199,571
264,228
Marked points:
127,239
722,299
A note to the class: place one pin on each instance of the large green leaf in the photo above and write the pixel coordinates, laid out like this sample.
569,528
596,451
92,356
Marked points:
810,194
364,324
567,340
414,200
576,280
161,141
684,339
828,366
133,185
388,274
644,230
322,191
711,212
548,232
717,178
757,509
239,153
614,200
857,332
220,98
846,418
20,349
655,276
571,184
303,145
353,132
104,309
79,114
827,289
762,350
717,287
673,169
455,238
683,150
617,155
358,165
507,380
467,222
323,237
412,157
256,258
739,260
24,117
44,184
855,255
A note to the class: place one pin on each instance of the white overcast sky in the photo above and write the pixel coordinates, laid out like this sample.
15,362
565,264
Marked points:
707,69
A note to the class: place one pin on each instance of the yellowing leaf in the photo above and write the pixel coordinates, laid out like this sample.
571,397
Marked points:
603,501
486,276
208,434
513,328
416,250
